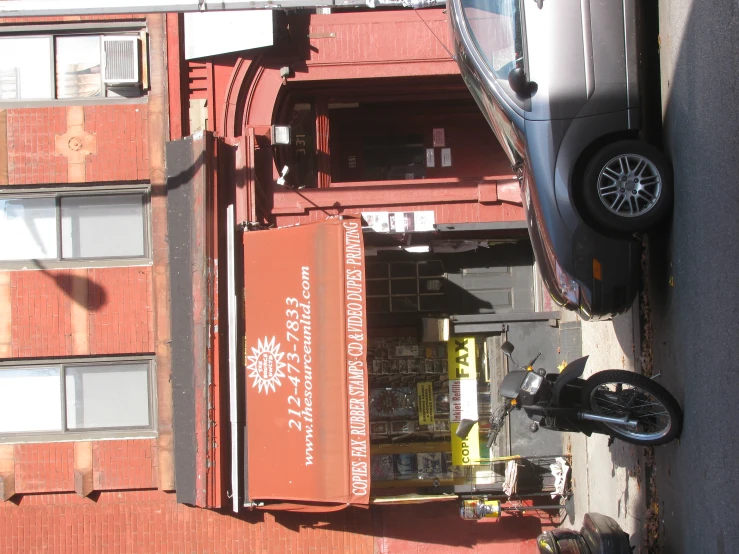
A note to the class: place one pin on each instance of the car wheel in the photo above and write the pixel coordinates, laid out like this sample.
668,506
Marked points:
627,187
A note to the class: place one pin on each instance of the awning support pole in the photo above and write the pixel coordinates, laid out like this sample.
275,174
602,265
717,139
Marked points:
232,354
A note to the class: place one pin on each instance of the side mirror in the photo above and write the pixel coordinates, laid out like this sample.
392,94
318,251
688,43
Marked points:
507,348
464,428
518,81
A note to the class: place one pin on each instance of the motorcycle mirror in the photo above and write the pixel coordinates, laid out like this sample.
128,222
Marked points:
464,428
507,348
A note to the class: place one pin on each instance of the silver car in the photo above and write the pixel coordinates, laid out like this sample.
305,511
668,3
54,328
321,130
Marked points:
558,83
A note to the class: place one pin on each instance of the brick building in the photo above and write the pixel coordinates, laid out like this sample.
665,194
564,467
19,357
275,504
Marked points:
114,421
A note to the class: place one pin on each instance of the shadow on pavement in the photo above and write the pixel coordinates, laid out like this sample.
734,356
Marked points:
624,327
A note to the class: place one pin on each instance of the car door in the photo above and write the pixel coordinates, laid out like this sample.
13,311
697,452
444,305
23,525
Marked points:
558,57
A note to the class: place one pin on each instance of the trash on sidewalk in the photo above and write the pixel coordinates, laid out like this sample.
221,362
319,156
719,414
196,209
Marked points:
560,471
511,478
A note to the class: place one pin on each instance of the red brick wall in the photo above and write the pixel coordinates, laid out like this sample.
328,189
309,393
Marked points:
122,144
41,313
123,465
119,311
31,156
122,322
122,149
152,522
44,467
117,465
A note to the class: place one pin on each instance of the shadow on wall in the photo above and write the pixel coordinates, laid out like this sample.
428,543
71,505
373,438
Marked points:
185,176
81,290
402,528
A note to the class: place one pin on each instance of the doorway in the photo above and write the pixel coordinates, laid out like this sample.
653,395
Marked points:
391,129
497,278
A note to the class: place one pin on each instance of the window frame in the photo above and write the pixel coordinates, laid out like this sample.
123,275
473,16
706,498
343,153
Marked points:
99,29
417,278
71,435
58,193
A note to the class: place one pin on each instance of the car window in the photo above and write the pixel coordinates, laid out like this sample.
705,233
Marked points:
495,26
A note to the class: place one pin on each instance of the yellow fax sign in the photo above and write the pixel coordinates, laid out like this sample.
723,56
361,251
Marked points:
462,370
462,359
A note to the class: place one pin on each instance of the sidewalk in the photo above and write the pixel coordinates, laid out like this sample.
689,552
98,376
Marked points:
609,480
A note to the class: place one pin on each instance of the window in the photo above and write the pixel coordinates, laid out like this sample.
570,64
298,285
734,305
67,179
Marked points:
70,226
393,157
495,25
63,400
70,67
406,287
25,68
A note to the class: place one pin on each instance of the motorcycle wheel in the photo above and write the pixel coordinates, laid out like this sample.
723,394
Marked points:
620,393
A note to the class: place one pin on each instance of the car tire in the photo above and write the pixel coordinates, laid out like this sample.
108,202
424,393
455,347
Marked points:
627,187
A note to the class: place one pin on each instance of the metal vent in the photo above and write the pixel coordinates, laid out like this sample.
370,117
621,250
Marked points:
121,59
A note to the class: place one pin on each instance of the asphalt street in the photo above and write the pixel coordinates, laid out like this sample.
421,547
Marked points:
694,276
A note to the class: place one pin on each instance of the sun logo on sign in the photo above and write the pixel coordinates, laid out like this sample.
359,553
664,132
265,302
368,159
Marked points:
265,365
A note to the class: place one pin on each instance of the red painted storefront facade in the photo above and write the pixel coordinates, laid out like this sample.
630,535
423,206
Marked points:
116,495
387,73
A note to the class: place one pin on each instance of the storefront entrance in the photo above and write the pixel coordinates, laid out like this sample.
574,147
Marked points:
485,290
487,278
360,369
400,129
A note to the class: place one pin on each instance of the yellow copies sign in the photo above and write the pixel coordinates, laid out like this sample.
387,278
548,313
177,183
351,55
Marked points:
463,399
425,392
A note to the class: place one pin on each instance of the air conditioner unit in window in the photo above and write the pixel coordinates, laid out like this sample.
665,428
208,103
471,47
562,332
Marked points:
120,55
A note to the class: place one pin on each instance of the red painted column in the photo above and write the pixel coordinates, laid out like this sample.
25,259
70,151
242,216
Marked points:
323,149
177,116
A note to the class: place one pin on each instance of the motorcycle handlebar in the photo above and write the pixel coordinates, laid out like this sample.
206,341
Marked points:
492,437
496,422
525,367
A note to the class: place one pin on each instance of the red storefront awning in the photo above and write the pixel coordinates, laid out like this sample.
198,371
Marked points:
307,425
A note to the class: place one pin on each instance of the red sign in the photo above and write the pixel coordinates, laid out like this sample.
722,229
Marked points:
305,344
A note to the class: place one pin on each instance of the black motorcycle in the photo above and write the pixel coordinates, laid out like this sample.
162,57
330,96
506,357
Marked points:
618,403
